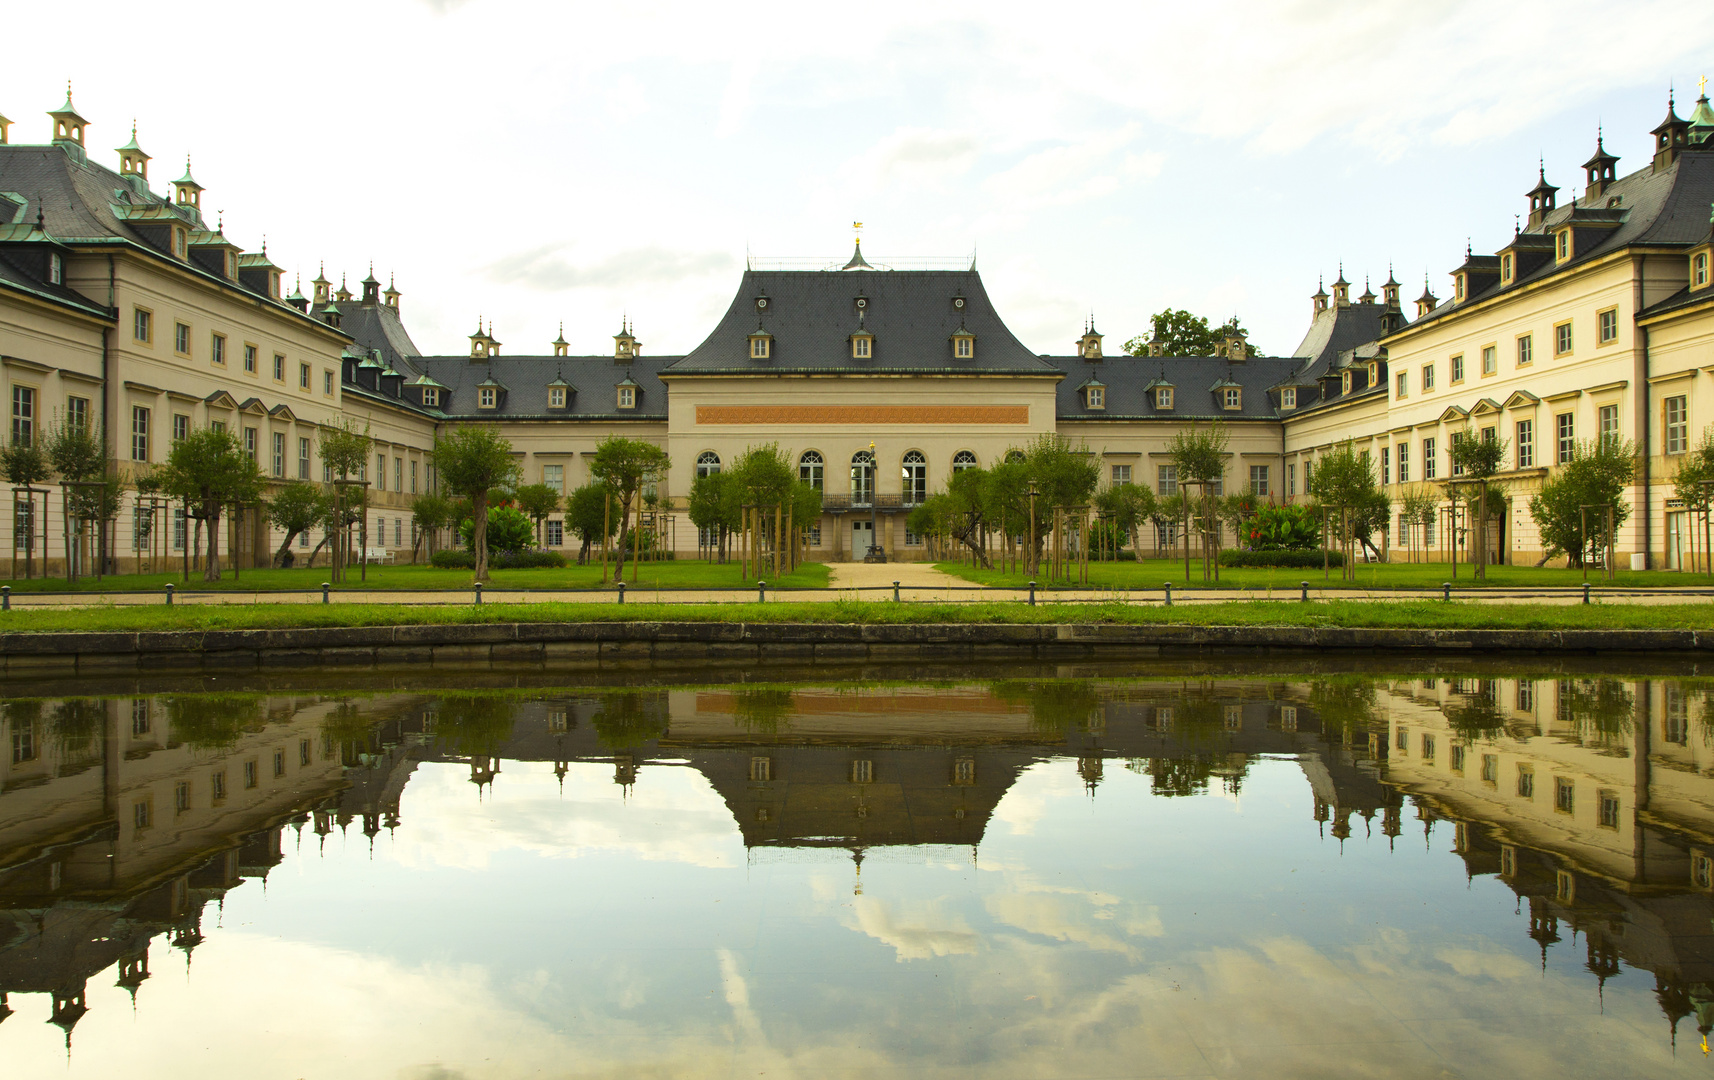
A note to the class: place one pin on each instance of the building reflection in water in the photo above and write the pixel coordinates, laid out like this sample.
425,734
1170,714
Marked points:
1590,799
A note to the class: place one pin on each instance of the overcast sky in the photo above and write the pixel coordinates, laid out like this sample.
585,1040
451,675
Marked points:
539,162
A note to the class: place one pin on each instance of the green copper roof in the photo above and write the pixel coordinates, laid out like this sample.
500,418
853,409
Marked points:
1702,119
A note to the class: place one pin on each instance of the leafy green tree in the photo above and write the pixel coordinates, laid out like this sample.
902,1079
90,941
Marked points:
508,530
471,461
538,502
1597,475
713,507
1479,458
630,718
1419,506
431,512
294,509
1183,334
1125,507
345,451
1695,470
1198,456
209,471
626,466
586,515
1344,481
25,464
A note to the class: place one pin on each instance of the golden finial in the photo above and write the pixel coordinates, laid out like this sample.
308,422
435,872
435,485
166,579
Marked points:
857,226
1702,85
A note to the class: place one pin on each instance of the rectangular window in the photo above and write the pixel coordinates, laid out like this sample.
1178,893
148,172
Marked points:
761,770
217,349
181,796
627,397
1525,697
143,326
1234,398
1609,818
77,413
1458,369
1097,397
398,532
304,752
1386,465
1506,268
380,472
1291,479
1457,762
141,812
217,786
1401,739
556,397
966,348
1167,480
860,347
250,359
139,433
1562,339
1430,463
1402,389
1677,425
1259,481
1565,425
1562,244
279,453
1288,398
1490,768
863,772
327,383
1526,350
178,528
1428,748
1608,323
1121,474
279,368
431,397
1404,463
56,269
1609,417
486,396
1163,397
250,439
1526,782
303,376
1427,377
1564,795
303,459
1489,360
140,720
249,774
413,478
1526,444
911,538
181,339
23,415
1699,270
556,532
398,474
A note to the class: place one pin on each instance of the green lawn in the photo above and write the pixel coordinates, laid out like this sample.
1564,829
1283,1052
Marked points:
1150,573
1408,613
687,574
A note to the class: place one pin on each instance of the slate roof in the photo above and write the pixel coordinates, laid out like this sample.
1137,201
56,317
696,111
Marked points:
1665,207
812,314
1340,337
1129,381
525,378
378,327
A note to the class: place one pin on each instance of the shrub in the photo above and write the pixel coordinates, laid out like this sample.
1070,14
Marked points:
1281,528
1303,559
508,530
503,560
457,559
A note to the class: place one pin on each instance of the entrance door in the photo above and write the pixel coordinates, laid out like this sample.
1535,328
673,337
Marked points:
862,538
1677,547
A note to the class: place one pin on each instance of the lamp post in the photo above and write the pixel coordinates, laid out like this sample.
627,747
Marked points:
1030,553
875,553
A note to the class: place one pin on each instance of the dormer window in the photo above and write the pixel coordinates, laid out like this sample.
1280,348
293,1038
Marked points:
431,397
1095,397
1458,287
1699,270
963,343
556,397
627,397
487,397
1232,398
1374,373
1344,382
56,269
761,344
1163,397
862,345
1562,244
178,242
232,264
1288,397
1506,269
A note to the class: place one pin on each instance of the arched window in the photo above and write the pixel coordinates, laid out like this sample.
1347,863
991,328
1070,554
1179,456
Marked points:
809,468
962,460
1014,457
862,478
915,476
707,464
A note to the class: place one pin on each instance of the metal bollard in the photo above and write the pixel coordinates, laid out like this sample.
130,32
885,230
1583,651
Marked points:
324,587
1168,587
1032,594
5,598
895,592
621,592
761,592
1305,594
479,592
1446,590
1585,592
169,594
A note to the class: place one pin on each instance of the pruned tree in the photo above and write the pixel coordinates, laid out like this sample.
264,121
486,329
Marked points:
471,461
430,512
626,466
24,463
1198,455
345,452
1479,457
295,509
210,471
538,502
587,517
1344,481
1596,476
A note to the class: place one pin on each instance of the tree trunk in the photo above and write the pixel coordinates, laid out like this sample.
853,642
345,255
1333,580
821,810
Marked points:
479,532
327,536
285,548
211,513
624,535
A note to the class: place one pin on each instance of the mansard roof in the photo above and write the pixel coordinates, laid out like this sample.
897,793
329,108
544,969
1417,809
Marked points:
526,380
811,315
1130,382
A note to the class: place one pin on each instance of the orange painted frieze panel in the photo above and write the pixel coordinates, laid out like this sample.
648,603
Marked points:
862,414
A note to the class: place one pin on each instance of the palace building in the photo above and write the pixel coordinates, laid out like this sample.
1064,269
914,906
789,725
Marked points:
127,308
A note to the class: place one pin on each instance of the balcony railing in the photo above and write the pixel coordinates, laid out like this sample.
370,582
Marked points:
840,503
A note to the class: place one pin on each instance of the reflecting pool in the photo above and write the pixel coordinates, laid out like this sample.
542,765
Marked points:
978,875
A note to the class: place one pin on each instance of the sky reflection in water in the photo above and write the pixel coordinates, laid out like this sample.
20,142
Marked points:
1478,877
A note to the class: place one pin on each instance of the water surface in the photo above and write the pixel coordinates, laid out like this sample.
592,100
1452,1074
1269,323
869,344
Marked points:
1265,875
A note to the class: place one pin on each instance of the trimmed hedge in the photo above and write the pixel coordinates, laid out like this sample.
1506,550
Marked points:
1300,559
499,560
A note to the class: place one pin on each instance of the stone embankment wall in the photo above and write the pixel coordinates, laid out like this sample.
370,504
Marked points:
599,644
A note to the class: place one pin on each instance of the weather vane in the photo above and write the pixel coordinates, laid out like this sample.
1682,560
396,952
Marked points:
857,226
